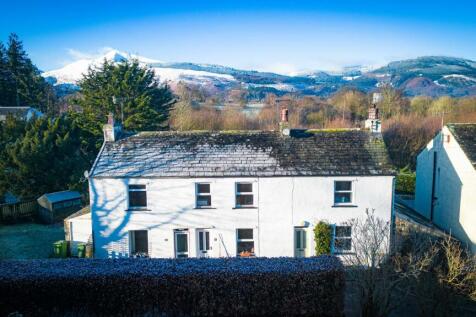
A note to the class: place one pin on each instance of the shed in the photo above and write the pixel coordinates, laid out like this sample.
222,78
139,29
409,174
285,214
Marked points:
78,229
58,205
23,113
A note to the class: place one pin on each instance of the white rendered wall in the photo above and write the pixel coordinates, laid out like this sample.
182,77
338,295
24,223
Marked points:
455,188
282,203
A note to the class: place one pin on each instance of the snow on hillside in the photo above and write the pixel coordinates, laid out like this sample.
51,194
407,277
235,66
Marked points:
72,73
175,74
459,76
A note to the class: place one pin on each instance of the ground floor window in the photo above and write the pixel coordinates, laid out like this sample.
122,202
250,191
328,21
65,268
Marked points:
139,243
181,244
342,239
245,245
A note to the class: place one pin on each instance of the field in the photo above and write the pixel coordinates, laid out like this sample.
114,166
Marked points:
29,241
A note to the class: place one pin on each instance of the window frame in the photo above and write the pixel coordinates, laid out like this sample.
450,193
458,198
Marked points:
238,193
351,192
129,190
238,240
178,254
205,247
336,250
198,194
132,243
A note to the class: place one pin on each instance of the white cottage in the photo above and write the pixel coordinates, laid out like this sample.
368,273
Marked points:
446,182
219,194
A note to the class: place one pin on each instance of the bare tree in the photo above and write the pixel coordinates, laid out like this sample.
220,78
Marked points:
378,279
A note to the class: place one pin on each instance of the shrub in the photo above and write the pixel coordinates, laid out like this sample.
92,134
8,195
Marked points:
169,287
406,180
322,237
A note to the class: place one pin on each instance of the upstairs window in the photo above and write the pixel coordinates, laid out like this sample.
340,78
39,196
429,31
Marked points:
343,194
245,244
137,196
203,197
342,239
244,195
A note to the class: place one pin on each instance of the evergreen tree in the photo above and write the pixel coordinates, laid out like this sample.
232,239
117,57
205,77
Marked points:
127,90
28,87
7,96
51,155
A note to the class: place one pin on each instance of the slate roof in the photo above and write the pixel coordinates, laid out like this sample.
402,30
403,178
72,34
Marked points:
61,196
244,153
465,134
20,112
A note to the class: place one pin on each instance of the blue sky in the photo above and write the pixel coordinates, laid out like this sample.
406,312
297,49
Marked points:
281,36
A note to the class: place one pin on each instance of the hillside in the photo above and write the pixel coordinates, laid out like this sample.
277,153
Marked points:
430,76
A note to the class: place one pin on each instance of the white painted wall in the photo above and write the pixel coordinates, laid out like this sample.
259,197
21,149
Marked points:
455,188
80,231
281,204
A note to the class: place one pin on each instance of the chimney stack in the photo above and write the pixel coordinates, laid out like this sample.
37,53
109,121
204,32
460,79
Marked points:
284,123
112,130
373,122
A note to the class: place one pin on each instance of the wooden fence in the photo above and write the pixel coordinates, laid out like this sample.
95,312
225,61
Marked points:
10,213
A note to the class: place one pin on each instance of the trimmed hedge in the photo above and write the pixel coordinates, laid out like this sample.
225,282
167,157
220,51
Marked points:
169,287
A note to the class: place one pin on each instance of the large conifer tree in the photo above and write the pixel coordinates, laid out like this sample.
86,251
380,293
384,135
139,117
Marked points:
21,83
127,90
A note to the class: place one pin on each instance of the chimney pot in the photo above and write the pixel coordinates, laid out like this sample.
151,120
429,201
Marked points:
284,115
111,130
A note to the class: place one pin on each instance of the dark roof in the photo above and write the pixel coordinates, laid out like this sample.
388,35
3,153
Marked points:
244,153
21,112
465,134
61,196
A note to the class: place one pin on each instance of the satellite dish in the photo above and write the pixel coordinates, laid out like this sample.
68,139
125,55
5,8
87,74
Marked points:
286,131
86,174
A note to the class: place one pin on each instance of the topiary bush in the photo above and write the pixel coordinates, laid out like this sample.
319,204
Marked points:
406,180
169,287
322,238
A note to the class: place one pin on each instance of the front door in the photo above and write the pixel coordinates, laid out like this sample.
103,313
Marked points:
181,244
203,240
300,243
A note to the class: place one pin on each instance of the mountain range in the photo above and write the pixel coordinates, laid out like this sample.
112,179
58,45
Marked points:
430,76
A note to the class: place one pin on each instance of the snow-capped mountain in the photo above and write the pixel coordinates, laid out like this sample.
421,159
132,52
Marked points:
432,76
72,73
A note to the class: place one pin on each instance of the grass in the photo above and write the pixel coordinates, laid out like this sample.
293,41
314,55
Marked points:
29,241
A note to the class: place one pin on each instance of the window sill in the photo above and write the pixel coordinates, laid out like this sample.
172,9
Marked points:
138,209
344,253
245,207
204,208
344,206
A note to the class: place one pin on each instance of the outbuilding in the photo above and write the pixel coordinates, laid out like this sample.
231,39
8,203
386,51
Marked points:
58,205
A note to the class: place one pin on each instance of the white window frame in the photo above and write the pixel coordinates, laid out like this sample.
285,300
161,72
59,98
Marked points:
198,194
341,251
176,253
244,193
302,240
246,240
132,242
202,250
129,189
351,191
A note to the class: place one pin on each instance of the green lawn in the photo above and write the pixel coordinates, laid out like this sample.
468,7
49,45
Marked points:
29,241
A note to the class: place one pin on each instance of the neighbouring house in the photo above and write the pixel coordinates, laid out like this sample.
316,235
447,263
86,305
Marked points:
238,193
78,229
24,113
58,205
446,182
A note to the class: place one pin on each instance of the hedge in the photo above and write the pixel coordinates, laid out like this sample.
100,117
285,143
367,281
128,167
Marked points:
169,287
